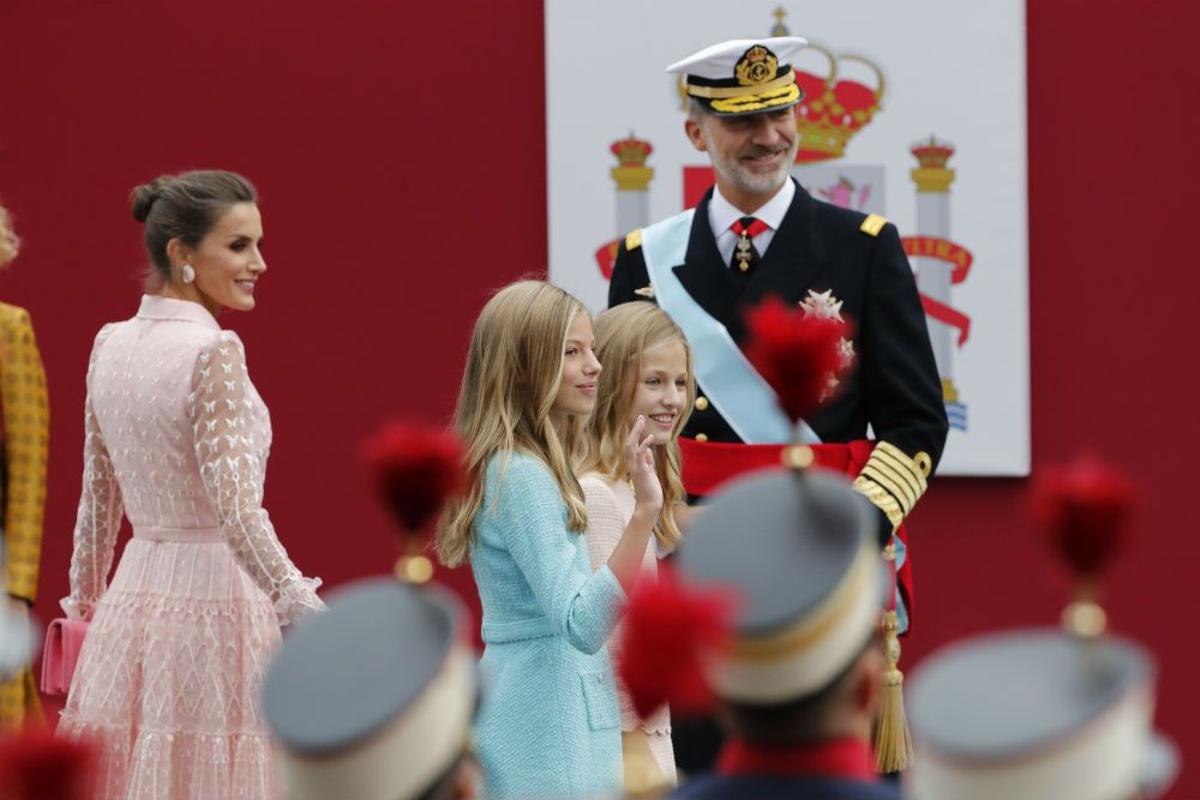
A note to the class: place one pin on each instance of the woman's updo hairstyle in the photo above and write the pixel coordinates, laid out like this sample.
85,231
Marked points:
185,207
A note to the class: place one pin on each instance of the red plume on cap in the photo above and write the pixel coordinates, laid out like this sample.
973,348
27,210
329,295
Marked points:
1083,508
669,632
36,765
801,355
416,468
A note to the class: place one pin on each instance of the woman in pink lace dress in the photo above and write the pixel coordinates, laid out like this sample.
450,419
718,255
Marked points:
177,437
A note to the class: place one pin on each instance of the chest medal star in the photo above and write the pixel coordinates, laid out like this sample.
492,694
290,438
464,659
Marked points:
823,305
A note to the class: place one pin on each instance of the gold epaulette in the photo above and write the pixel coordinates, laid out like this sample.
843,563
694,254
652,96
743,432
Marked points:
633,240
893,482
873,224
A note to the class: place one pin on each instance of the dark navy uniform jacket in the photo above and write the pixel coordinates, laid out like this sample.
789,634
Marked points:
894,385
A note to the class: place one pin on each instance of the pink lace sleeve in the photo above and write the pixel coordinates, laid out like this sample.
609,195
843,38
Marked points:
98,518
232,458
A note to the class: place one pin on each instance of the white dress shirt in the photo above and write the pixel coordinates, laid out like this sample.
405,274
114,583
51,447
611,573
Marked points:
722,214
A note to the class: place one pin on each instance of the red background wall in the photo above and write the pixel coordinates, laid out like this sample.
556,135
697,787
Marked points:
400,151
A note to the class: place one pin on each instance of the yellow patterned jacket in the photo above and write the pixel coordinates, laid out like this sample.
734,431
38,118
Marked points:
24,439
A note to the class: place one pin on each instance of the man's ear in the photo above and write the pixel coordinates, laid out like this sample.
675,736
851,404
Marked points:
695,133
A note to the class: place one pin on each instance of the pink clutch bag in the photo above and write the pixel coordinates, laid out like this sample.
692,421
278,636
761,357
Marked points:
64,638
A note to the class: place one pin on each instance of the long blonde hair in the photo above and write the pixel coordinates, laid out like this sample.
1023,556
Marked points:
514,367
623,335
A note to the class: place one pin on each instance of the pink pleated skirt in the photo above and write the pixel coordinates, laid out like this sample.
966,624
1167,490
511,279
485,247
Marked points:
169,675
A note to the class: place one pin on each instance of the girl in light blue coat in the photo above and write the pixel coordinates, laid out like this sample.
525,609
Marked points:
550,724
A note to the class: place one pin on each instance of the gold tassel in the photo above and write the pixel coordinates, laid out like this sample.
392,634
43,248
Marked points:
893,745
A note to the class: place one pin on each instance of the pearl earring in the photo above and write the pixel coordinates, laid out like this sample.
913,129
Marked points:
187,274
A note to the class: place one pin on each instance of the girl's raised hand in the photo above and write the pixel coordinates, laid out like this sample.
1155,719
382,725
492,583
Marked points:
646,489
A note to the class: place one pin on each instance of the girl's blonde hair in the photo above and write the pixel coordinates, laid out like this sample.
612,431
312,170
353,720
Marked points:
513,371
623,335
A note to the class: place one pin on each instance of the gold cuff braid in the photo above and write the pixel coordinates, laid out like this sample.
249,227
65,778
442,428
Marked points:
893,481
881,499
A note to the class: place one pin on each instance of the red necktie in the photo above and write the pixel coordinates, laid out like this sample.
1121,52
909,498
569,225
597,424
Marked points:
745,256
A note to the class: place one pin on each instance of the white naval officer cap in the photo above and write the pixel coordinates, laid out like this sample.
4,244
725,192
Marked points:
743,76
374,698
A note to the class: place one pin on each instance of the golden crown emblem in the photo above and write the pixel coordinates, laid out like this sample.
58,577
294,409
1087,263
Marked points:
631,152
834,109
933,154
631,172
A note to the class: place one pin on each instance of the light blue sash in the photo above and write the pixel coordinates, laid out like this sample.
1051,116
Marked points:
728,379
732,385
901,609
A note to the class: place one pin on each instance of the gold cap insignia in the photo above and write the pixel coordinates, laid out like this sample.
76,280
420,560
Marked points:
757,65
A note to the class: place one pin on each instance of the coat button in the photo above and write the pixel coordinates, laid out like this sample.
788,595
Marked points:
701,403
701,437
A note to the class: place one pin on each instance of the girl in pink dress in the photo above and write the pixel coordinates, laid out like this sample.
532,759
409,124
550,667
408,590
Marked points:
177,437
647,373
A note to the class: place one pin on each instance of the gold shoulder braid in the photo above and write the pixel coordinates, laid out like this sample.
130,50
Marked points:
633,239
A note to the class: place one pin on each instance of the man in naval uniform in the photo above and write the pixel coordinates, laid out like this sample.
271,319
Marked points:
758,233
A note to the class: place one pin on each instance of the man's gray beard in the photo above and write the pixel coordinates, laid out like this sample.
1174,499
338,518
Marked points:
753,184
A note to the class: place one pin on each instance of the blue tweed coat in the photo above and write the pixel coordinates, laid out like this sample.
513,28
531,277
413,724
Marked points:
549,725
